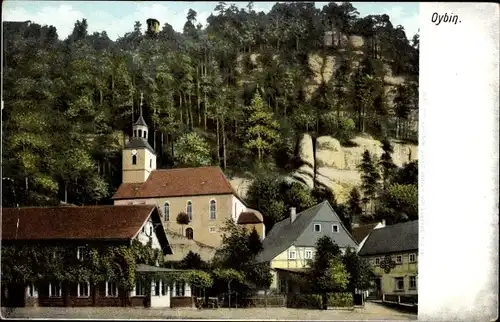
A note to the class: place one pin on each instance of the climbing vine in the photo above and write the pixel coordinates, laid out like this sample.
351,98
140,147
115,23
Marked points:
38,263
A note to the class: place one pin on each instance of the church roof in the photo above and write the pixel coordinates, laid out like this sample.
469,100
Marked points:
140,121
139,143
178,183
250,217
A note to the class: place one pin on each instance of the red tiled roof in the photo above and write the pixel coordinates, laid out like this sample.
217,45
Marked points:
359,233
250,217
177,183
63,223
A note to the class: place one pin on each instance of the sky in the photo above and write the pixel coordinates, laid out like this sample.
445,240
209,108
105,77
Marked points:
118,17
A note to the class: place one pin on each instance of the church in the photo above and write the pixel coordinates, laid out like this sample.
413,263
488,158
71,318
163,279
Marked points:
203,193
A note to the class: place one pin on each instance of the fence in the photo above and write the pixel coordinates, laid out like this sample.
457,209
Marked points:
406,300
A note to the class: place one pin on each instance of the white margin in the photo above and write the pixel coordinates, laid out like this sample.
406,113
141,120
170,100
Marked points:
458,184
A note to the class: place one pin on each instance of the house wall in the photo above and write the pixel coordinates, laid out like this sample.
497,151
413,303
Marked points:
140,171
201,223
260,228
405,270
148,232
238,208
283,260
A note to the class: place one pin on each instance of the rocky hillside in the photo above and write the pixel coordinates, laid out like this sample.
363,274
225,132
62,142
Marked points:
327,163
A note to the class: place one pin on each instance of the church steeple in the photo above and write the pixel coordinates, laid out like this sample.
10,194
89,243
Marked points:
139,158
140,128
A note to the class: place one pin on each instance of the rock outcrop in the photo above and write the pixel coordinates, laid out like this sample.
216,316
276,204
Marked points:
329,164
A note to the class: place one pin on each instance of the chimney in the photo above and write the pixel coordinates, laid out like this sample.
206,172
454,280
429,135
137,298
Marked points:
293,215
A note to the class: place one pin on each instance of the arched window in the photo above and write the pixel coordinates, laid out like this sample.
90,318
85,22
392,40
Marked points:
140,133
134,159
145,134
213,209
135,133
189,233
189,210
166,210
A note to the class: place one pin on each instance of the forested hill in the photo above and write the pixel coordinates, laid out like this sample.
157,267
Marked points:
237,93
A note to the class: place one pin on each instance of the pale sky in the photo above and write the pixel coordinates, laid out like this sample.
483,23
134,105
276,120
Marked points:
117,17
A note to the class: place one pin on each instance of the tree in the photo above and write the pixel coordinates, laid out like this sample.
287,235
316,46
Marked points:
182,219
360,271
369,177
399,203
408,174
192,151
229,276
327,274
192,261
386,162
262,131
354,204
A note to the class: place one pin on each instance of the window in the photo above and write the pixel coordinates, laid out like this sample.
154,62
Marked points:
150,163
180,289
399,283
166,210
399,259
413,282
140,288
111,289
81,252
135,133
140,133
189,233
317,227
156,290
32,291
413,258
292,254
308,254
55,290
335,228
143,229
134,159
145,134
83,289
377,261
150,230
189,210
164,288
212,210
212,229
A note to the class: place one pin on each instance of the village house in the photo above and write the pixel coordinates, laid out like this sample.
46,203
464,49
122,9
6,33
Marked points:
78,230
290,244
203,193
393,252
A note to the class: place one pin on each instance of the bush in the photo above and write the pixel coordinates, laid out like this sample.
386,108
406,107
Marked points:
340,300
310,301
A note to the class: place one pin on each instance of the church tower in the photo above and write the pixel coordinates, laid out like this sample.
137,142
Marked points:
138,157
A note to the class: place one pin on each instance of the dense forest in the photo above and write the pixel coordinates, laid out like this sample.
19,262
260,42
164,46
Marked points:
230,94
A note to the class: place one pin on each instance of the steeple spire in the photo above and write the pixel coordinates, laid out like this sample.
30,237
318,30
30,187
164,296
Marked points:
140,120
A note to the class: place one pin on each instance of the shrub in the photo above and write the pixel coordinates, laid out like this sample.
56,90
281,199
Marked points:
310,301
340,299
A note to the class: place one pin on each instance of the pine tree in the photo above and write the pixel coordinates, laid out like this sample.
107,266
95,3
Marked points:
369,177
354,204
386,163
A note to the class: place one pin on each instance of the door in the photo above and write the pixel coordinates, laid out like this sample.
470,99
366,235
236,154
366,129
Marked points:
378,287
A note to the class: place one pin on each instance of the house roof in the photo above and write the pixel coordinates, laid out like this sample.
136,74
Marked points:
284,233
64,223
360,232
177,183
250,217
391,239
139,143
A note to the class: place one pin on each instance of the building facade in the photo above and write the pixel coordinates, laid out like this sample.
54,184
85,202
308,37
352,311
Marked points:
393,252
